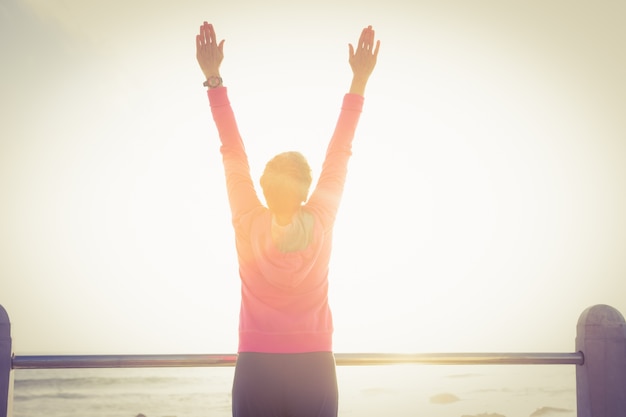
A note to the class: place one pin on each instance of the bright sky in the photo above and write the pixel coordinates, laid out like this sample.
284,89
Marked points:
484,209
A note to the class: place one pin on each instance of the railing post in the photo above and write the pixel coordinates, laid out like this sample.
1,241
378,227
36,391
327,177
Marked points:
6,380
601,379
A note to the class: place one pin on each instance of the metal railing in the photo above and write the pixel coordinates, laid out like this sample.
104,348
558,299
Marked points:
600,361
342,359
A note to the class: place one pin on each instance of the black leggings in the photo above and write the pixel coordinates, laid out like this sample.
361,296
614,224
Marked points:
285,385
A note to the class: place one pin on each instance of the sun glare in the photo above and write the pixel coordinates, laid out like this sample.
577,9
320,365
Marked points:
479,176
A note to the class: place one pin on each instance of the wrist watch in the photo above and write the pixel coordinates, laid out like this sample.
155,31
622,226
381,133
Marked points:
213,81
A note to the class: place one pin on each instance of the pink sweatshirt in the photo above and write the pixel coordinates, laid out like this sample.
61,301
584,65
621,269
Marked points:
284,295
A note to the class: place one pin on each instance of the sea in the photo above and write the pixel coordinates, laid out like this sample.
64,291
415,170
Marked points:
364,391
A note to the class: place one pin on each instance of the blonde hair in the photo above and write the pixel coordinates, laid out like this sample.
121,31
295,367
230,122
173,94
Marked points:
286,181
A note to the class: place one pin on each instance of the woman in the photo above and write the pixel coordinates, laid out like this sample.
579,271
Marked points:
285,364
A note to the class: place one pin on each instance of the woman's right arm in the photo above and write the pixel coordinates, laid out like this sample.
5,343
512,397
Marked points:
329,189
363,60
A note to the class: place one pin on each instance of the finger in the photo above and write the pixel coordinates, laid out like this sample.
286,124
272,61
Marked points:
362,39
370,38
198,43
221,45
208,36
211,34
202,35
203,32
376,50
350,51
369,41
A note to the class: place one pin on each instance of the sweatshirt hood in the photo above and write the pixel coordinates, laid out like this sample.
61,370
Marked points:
285,255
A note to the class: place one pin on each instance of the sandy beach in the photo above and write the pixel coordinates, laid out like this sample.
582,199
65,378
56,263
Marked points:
403,390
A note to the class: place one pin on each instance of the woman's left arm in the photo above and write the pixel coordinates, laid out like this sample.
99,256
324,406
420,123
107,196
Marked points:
209,54
241,193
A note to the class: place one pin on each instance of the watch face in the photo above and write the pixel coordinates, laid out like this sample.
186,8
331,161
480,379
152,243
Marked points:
214,81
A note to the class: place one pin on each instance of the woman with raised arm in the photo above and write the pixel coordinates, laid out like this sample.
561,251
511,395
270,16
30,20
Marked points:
285,364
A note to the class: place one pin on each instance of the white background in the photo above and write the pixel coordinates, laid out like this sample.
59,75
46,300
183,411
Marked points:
484,209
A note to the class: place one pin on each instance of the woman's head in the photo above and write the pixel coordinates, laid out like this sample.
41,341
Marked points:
286,181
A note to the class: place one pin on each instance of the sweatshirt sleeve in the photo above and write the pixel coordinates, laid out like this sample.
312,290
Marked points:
241,193
329,189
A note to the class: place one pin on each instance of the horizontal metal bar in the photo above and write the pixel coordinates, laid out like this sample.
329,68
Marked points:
460,358
123,361
350,359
